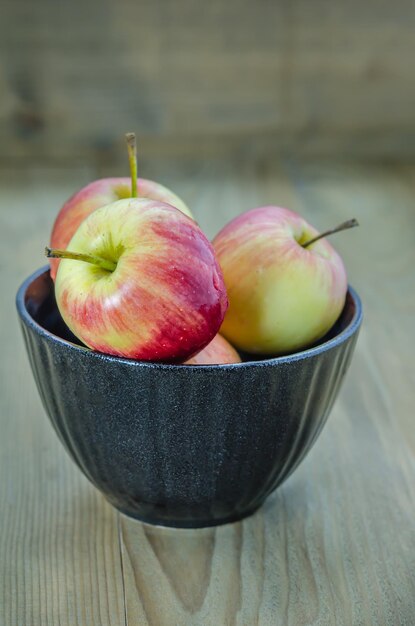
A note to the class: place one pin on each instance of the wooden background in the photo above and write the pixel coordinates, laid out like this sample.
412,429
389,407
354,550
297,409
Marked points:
269,76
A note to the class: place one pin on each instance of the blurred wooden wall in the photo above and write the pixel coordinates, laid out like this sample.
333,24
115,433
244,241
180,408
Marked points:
309,76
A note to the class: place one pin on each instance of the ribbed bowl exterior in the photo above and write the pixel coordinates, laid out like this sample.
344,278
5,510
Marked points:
183,446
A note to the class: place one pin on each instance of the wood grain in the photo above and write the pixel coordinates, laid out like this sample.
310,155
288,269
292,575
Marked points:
60,559
295,75
334,545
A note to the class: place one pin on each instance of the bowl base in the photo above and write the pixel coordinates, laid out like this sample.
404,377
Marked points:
189,523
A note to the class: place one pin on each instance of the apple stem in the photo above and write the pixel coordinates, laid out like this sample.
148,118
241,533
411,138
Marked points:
54,253
132,157
344,226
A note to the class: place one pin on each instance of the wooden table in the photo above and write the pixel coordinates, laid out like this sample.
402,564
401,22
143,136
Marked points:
334,545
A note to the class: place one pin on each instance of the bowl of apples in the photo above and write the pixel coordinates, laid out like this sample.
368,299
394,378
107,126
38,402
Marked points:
176,423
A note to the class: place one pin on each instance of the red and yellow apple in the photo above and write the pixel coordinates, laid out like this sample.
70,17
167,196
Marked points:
100,193
217,352
283,293
146,284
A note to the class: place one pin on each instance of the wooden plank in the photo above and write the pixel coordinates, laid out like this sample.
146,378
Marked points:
311,76
332,545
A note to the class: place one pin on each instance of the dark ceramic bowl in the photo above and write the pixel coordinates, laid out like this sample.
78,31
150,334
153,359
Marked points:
184,446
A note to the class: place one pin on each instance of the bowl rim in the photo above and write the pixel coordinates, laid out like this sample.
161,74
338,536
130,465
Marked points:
340,338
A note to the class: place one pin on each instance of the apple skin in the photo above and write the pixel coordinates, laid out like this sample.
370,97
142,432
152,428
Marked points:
217,352
97,194
166,298
282,297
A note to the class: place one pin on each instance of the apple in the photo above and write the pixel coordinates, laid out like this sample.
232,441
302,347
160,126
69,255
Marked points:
140,280
102,192
286,284
217,352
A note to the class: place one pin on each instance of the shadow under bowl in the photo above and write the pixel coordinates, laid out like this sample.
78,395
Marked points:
184,446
